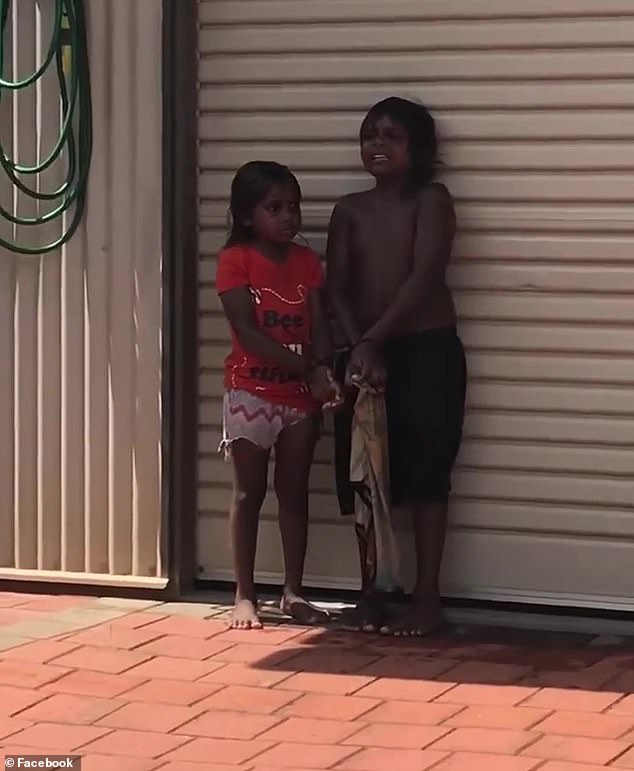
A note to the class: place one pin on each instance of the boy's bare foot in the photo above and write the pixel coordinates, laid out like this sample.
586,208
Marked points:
424,618
245,616
302,611
367,616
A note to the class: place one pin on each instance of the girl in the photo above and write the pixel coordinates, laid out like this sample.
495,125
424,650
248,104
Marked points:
399,319
277,376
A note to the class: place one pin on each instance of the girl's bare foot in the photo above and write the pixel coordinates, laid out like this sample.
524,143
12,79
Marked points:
245,616
423,619
302,611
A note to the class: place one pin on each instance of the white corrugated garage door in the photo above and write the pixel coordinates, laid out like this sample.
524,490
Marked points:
533,100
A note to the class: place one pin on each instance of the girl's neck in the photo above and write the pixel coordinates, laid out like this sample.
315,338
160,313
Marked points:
276,252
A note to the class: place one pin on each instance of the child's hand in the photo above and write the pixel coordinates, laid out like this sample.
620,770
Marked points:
324,387
366,368
336,394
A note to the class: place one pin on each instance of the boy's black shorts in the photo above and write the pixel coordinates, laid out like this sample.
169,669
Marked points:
425,399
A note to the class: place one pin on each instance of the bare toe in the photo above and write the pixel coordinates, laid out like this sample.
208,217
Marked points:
421,621
245,616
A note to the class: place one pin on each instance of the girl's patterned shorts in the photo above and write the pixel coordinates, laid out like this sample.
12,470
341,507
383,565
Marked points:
247,416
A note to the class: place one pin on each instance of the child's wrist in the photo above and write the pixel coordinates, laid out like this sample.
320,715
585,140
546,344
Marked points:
312,371
324,361
365,340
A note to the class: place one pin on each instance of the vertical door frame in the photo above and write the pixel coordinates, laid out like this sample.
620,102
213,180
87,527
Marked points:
180,286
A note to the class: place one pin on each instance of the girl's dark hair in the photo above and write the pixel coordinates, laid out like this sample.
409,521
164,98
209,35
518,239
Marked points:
420,128
250,186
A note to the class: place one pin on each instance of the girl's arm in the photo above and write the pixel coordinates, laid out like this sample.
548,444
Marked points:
322,347
238,307
322,383
337,271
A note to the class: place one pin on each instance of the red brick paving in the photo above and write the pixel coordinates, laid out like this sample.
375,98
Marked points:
152,691
480,761
576,749
491,695
65,738
563,766
181,646
623,707
11,725
114,636
231,751
244,698
574,699
111,660
293,753
487,716
318,705
245,674
67,708
14,700
27,674
86,683
375,759
402,712
626,760
576,724
161,718
40,651
171,692
312,731
172,668
112,763
138,620
136,744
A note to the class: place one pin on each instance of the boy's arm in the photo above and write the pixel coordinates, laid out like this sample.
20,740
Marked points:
435,227
240,313
337,268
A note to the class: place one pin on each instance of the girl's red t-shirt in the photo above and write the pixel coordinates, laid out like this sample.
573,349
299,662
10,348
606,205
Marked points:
280,296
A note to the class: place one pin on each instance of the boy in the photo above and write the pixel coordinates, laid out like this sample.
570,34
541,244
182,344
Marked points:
388,251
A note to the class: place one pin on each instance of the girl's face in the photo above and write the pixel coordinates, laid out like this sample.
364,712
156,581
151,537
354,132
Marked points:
385,148
277,217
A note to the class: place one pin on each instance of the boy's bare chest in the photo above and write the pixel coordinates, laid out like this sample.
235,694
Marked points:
384,241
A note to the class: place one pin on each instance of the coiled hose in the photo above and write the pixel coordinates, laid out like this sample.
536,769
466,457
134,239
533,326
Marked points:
68,54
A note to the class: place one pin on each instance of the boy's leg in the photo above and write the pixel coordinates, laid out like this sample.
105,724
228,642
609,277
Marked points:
294,452
430,530
250,469
427,406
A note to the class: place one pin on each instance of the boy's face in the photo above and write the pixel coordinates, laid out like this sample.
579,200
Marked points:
385,148
277,217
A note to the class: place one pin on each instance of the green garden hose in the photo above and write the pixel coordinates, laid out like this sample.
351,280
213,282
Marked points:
68,54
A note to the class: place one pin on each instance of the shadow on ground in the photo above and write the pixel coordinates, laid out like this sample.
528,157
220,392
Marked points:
457,654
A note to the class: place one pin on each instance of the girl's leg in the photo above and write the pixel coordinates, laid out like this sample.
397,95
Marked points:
250,469
293,458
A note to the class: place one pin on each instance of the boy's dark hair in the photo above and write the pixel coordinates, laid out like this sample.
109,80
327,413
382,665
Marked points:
250,186
420,128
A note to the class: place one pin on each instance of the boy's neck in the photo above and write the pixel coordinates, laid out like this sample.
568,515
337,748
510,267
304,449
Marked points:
391,187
